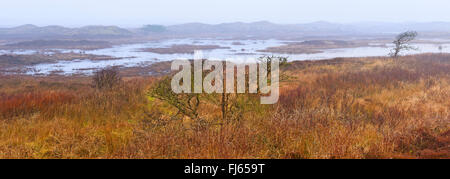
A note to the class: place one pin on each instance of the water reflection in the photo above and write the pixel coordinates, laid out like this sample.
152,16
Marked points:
237,49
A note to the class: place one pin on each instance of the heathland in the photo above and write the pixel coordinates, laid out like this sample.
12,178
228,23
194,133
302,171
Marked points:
376,107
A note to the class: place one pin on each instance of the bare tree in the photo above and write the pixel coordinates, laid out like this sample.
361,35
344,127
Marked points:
401,43
106,78
440,48
187,104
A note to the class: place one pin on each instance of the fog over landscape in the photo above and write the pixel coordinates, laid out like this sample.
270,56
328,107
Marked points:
134,13
91,47
348,79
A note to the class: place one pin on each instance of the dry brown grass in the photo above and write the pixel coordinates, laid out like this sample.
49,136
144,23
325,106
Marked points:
341,108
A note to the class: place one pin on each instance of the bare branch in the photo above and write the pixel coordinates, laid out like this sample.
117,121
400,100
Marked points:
402,41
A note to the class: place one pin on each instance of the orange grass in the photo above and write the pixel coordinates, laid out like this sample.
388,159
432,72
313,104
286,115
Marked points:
340,108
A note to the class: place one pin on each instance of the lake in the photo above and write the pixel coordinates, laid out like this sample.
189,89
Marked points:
237,50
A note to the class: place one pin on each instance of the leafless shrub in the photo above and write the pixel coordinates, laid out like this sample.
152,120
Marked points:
187,104
106,78
440,48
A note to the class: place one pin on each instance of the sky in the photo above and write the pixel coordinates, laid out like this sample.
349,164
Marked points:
134,13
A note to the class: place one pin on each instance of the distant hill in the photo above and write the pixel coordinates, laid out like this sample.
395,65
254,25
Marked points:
320,28
153,29
261,29
35,32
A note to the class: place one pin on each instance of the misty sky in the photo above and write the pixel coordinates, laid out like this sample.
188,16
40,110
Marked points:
133,13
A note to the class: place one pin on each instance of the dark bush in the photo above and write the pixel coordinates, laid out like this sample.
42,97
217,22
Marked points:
106,78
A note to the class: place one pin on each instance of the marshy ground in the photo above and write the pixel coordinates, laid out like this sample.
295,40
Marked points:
341,108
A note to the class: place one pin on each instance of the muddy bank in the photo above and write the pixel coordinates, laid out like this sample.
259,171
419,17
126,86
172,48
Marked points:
314,46
57,44
10,63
